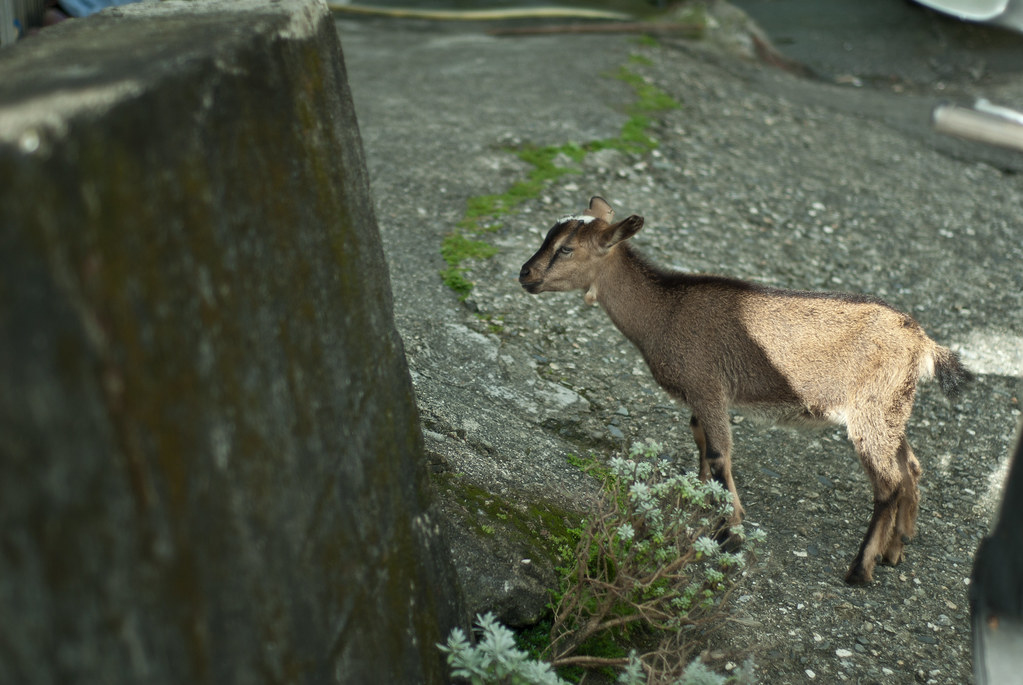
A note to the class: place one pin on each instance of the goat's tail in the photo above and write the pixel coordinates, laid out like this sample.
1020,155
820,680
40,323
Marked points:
947,367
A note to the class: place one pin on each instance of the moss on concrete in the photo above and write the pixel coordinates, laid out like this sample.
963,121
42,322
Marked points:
520,521
483,212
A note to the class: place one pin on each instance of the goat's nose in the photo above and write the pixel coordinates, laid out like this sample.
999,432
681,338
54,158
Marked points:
524,272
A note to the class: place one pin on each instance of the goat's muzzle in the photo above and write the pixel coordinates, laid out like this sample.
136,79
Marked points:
526,279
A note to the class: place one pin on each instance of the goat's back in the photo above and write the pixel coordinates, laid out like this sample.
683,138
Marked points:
783,346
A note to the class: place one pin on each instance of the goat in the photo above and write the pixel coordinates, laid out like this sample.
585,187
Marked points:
714,342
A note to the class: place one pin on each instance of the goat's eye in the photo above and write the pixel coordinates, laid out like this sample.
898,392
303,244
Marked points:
564,250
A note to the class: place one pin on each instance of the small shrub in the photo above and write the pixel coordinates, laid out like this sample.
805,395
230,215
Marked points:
646,569
647,561
495,658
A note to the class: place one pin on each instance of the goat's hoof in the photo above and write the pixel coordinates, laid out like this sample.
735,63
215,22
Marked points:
726,539
857,575
893,557
730,543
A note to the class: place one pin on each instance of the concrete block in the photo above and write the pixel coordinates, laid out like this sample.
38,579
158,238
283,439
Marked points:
210,459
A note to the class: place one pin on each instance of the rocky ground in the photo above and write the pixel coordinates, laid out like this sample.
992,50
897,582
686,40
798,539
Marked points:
758,174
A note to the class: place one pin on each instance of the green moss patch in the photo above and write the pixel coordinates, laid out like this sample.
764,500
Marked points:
548,163
540,527
482,210
455,249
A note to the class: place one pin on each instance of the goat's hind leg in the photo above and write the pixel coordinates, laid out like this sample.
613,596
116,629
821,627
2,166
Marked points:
878,458
879,532
908,505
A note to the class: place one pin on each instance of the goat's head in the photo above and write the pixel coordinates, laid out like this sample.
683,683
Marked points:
575,248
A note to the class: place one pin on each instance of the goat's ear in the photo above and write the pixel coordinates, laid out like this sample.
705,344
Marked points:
623,230
600,209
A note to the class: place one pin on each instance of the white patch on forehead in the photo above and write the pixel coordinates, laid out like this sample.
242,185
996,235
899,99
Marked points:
582,218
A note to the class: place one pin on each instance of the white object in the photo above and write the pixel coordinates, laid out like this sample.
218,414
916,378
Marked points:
1008,13
986,123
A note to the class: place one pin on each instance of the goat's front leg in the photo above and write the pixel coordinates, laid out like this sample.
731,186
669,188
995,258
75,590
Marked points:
701,444
713,437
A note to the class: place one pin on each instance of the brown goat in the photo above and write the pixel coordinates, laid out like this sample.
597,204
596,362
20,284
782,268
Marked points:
796,356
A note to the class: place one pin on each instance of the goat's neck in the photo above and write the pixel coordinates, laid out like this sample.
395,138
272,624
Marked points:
628,292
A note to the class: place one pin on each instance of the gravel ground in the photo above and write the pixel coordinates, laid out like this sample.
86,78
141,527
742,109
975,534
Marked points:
762,176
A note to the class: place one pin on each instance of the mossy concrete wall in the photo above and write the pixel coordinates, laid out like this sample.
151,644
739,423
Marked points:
210,460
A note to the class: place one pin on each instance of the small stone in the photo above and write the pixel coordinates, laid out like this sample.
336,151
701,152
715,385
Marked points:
615,432
843,653
810,674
